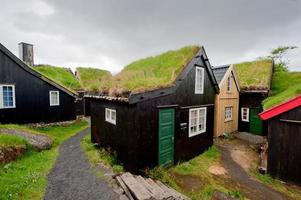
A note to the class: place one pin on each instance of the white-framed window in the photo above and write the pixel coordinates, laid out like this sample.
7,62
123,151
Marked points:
7,96
110,115
228,113
229,83
245,114
54,98
197,121
199,80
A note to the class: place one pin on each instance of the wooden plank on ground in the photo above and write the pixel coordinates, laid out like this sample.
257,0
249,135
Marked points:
172,192
157,194
138,191
125,189
156,187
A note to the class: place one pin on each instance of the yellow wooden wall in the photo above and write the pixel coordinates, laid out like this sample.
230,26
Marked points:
222,100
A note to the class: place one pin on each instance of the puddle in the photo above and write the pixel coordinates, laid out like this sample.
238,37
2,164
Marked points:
188,183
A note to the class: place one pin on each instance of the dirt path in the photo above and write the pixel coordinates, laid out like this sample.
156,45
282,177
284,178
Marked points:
251,188
72,176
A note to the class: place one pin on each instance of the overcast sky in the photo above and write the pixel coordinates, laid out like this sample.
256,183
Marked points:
109,34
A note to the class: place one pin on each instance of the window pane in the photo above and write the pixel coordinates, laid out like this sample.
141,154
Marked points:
113,115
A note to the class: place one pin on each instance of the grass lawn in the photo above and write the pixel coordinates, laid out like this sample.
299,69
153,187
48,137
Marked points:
182,176
290,190
60,75
98,155
26,178
254,75
285,85
93,79
155,72
11,140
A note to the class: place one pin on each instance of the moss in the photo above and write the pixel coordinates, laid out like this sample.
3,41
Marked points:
12,140
60,75
285,85
255,74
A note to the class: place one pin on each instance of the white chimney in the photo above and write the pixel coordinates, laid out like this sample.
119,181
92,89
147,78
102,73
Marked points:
26,53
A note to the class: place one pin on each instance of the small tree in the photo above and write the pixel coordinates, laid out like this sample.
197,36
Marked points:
277,54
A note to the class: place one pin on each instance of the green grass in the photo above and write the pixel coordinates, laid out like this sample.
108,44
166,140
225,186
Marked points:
11,140
285,85
93,79
198,168
98,155
291,191
26,178
60,75
154,72
254,75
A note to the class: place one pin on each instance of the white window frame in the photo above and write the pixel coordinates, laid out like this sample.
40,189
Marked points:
242,115
230,116
58,98
191,134
1,96
199,80
108,117
229,83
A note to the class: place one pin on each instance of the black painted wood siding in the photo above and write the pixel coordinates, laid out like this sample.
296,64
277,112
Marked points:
249,100
135,136
284,152
32,97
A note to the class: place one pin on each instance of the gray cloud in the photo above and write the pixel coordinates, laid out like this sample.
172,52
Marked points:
110,34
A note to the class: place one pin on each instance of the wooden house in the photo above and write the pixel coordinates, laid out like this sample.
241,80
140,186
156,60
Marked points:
255,83
26,96
227,101
163,112
284,139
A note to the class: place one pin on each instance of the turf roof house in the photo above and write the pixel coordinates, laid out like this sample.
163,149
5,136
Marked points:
255,83
158,122
283,117
26,96
227,101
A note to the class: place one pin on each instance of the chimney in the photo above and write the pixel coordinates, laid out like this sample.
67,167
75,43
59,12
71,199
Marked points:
26,53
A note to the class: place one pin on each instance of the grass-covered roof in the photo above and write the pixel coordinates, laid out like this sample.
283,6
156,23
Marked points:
254,75
285,86
154,72
93,79
60,75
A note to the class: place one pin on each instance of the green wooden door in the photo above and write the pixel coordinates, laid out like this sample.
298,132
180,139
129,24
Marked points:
255,121
166,136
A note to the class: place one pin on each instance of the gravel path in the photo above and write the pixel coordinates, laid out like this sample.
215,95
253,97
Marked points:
251,188
73,178
39,142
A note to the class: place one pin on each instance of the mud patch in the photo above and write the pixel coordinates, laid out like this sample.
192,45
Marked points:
188,183
242,158
217,170
8,154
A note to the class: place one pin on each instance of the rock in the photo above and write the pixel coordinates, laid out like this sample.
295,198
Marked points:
218,195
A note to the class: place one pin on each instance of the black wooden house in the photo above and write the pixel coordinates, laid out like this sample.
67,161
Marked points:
26,96
161,126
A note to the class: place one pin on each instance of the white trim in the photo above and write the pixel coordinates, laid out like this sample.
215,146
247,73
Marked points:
191,134
109,118
13,95
242,111
202,81
50,98
231,113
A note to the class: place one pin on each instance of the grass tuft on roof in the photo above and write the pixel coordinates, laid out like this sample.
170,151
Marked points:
254,75
60,75
93,79
154,72
285,86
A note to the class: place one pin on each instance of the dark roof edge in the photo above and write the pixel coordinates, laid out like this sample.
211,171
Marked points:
35,73
109,98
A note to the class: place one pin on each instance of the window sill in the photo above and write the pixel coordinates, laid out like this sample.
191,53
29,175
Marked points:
228,120
198,133
55,105
8,108
111,122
